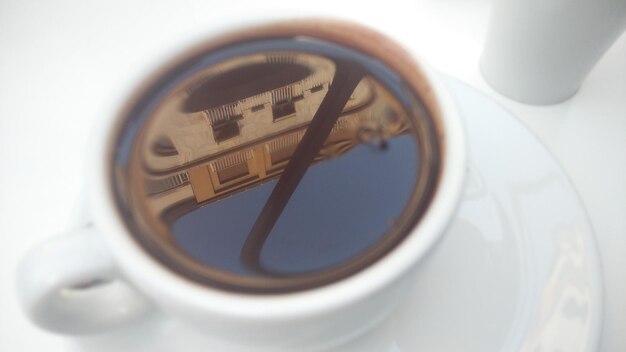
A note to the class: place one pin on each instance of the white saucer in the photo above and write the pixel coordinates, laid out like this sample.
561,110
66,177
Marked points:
518,270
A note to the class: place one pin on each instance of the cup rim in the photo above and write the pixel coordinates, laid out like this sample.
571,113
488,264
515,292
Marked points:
159,283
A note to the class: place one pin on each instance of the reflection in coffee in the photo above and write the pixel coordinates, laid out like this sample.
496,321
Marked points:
275,165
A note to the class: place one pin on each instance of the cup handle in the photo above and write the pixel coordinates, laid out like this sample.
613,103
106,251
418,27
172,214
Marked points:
70,285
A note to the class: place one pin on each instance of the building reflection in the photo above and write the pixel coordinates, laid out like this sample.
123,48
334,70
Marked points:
206,145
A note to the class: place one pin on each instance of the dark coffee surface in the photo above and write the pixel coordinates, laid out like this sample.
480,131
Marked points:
341,207
274,166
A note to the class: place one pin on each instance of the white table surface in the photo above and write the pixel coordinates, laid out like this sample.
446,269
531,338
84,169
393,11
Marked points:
59,60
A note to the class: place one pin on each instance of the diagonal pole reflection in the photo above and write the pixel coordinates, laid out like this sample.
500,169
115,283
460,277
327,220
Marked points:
347,77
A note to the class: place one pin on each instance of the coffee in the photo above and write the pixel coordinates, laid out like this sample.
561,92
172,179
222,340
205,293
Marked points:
275,165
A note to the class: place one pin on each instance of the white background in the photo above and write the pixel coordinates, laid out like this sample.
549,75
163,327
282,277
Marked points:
60,60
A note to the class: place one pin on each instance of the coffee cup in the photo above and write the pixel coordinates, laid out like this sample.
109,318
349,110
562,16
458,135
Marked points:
541,53
274,184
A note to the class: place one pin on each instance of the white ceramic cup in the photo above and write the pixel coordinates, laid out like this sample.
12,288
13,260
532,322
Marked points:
98,277
539,52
